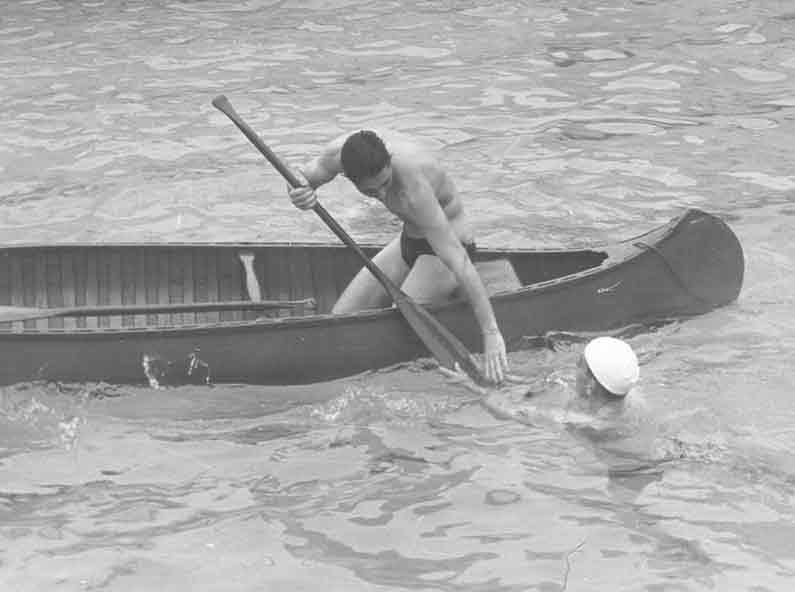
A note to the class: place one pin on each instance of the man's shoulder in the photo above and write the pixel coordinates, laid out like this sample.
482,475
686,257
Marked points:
415,160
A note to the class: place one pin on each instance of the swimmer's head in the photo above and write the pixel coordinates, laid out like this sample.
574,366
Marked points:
608,367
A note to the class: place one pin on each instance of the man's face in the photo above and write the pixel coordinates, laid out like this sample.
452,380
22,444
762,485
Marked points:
377,185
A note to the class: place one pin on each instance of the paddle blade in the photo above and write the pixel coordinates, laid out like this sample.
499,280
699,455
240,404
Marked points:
443,345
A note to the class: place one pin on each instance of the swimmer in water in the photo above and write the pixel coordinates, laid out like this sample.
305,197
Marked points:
602,406
602,409
607,371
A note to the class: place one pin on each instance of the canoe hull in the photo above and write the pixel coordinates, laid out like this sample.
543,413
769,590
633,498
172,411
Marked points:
688,267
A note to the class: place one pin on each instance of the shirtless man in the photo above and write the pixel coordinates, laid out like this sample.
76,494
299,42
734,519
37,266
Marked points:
431,257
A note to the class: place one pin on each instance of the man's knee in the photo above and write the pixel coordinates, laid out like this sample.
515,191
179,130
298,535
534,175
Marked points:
365,291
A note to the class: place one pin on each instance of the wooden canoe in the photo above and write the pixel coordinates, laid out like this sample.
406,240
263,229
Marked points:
688,266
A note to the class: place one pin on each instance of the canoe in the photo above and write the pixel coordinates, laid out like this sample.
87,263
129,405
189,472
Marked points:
259,313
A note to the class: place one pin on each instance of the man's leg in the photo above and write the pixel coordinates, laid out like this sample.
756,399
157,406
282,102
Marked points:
365,291
430,281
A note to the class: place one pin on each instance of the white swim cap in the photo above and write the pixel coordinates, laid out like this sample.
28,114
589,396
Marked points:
613,364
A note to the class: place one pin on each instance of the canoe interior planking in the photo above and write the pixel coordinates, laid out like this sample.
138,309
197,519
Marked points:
57,276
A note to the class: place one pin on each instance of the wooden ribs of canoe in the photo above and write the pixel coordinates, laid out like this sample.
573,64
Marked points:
686,267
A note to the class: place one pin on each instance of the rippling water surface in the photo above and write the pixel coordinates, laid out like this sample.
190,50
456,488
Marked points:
563,123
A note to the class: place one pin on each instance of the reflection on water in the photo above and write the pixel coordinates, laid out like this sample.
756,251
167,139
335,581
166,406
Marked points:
562,123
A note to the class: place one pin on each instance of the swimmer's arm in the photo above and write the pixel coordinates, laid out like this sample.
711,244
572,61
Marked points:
514,383
500,406
519,408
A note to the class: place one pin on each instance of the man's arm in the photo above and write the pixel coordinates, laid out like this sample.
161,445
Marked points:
315,173
326,166
449,249
426,213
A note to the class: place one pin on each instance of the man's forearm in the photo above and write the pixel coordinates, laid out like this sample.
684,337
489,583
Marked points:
478,298
322,169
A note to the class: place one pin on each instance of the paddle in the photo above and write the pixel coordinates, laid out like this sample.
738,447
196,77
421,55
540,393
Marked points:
442,344
18,313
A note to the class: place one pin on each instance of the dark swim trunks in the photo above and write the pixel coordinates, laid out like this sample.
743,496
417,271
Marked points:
411,248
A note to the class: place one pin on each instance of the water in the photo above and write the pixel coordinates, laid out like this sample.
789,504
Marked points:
562,123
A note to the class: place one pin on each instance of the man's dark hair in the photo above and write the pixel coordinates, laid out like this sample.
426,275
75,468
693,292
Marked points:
363,155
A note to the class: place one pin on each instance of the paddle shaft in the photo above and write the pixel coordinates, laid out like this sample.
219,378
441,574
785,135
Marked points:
447,349
12,313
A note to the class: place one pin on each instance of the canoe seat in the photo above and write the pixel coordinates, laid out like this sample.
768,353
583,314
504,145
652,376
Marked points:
498,275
